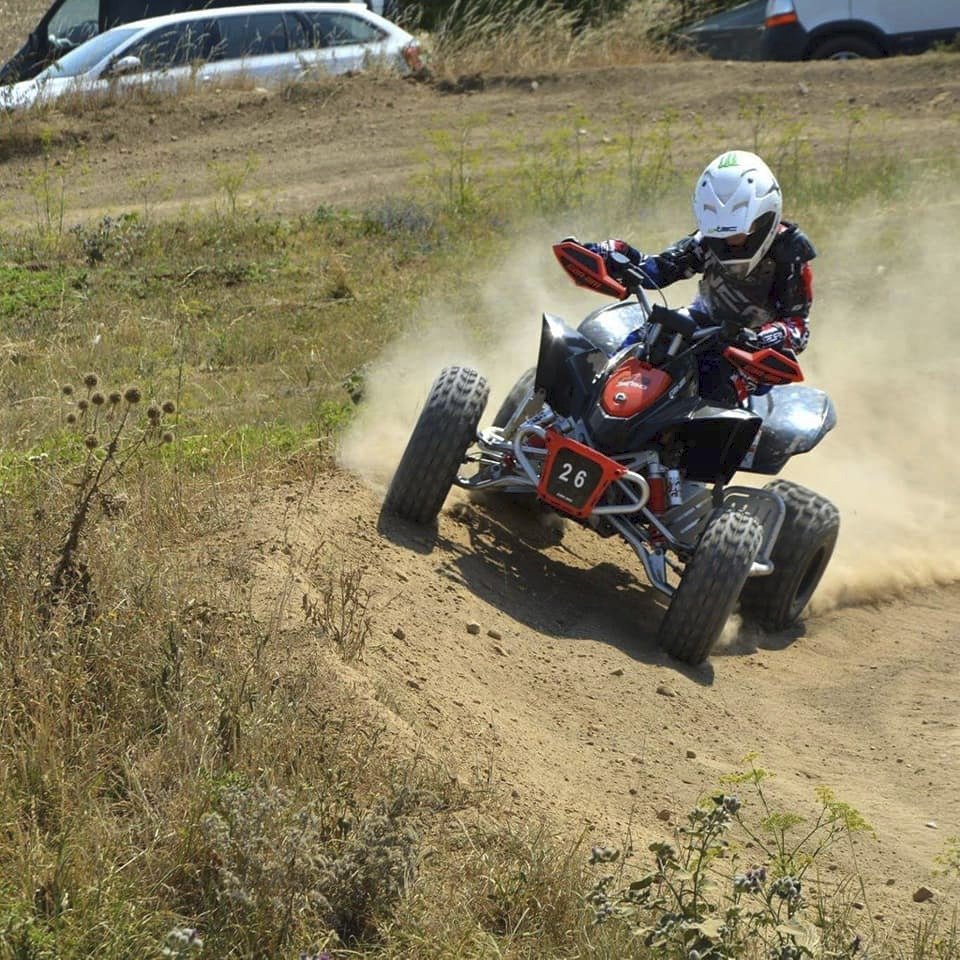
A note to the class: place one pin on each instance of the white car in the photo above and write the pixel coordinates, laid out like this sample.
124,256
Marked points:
265,43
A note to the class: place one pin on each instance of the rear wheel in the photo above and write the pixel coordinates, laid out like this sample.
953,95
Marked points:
518,393
710,585
445,429
800,557
846,47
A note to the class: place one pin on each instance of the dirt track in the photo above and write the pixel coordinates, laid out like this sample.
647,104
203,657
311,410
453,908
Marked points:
562,698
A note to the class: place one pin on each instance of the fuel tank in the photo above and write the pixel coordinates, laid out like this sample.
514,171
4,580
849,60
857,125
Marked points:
633,387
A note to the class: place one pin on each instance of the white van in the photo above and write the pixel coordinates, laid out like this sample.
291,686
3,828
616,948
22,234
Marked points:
844,29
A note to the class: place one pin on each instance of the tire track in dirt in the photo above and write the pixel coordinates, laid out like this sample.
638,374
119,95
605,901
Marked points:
562,702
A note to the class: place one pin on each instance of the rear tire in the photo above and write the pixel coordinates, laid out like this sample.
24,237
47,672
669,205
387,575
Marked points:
711,583
518,393
846,47
800,557
445,429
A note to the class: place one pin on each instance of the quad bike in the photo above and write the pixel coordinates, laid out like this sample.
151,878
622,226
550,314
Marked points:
619,439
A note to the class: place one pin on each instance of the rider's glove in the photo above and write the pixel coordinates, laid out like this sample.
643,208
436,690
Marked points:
747,339
606,247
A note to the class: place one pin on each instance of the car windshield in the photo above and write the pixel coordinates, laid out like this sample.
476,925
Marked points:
88,54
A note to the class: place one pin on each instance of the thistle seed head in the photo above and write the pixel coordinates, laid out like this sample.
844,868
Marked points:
153,414
167,437
66,390
90,441
132,395
168,407
83,403
90,380
71,418
115,397
98,399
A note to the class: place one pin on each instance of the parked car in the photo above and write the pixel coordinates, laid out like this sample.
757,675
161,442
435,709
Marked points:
271,42
734,34
68,23
843,29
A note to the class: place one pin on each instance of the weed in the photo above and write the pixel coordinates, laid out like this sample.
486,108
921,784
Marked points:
116,236
281,865
230,179
701,901
453,159
341,612
102,421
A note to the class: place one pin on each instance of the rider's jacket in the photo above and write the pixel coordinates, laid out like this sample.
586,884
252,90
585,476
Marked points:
774,300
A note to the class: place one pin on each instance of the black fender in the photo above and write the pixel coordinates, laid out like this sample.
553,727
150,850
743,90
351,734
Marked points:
567,365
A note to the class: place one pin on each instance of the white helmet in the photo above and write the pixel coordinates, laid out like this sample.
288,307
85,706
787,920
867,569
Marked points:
737,197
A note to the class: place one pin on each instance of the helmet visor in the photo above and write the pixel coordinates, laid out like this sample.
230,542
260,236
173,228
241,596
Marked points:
739,251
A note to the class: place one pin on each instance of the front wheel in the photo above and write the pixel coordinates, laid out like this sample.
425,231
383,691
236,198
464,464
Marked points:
710,585
800,557
445,429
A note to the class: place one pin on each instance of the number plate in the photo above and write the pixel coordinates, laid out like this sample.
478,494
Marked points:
574,475
573,478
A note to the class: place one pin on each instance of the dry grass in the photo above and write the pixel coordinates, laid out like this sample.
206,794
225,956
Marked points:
526,39
171,755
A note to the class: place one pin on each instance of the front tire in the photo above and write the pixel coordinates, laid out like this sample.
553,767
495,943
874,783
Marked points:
445,429
800,557
711,583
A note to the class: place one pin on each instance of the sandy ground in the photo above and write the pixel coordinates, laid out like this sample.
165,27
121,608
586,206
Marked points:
561,698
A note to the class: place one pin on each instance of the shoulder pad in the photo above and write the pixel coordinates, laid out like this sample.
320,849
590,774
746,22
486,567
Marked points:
791,245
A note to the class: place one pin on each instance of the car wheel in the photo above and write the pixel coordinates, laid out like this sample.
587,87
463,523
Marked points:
846,47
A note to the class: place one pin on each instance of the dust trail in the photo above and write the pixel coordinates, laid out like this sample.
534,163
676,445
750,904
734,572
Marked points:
398,383
527,282
884,345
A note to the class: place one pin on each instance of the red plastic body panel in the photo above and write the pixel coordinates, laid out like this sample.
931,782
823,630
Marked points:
638,384
765,366
588,269
575,476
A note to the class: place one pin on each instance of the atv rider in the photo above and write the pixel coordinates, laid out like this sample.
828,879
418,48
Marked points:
756,276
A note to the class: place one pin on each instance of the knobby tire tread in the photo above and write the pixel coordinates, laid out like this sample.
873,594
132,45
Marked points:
807,538
710,586
446,427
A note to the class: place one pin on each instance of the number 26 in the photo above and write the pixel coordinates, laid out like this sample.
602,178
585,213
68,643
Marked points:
579,478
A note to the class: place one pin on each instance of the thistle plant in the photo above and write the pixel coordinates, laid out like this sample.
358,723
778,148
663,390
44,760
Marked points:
701,899
113,436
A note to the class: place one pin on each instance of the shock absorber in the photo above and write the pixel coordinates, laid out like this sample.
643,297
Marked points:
657,502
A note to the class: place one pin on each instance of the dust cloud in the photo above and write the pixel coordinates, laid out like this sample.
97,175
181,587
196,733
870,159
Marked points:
883,345
523,285
501,345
